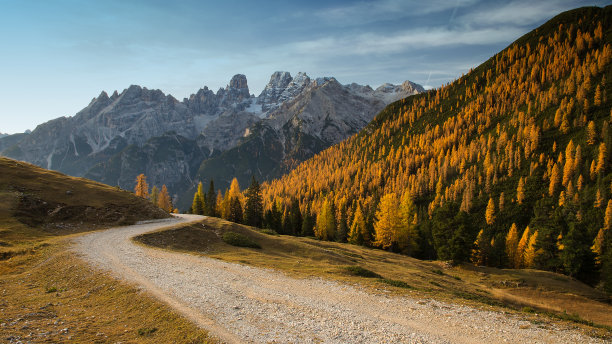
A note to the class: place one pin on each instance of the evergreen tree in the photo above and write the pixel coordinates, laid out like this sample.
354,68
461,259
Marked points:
253,207
460,245
342,233
443,226
142,188
308,223
480,251
578,260
296,217
154,196
235,210
212,204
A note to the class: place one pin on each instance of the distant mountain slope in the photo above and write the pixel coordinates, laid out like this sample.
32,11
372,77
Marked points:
139,130
524,138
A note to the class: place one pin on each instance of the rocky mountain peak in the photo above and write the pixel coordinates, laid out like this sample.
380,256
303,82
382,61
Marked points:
235,92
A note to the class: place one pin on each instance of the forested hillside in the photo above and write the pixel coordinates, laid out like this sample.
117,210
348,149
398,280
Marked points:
507,166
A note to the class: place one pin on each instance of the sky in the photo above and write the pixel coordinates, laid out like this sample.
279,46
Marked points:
58,55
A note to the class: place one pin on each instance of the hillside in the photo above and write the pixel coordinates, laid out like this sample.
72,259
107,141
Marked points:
37,204
507,166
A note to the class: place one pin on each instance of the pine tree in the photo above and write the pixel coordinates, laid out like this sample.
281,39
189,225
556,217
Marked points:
326,221
212,204
164,200
296,217
388,222
235,210
490,212
308,223
512,241
253,207
480,250
359,234
576,257
142,188
342,233
154,196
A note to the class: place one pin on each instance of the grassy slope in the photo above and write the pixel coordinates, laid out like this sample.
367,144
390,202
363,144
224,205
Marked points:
305,257
38,204
46,292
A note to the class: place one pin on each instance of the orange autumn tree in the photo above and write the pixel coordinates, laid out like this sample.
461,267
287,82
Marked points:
142,188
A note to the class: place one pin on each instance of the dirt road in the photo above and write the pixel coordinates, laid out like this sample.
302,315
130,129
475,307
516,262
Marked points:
239,303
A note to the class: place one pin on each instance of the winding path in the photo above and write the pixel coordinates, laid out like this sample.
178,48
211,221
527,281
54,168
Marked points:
239,303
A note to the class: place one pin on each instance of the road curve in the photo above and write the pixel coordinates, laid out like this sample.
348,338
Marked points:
239,303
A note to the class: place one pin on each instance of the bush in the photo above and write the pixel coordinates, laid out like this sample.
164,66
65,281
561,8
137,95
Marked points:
396,283
268,231
240,240
361,272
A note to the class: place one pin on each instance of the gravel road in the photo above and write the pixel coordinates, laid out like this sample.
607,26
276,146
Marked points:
239,303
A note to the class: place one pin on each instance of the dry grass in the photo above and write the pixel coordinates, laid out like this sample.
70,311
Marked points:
52,296
484,287
49,295
38,204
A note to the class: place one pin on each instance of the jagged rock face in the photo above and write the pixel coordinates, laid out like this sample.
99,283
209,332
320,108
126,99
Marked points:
113,139
321,114
271,94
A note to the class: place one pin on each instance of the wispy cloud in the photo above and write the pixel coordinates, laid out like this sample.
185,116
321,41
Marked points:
517,13
373,11
374,43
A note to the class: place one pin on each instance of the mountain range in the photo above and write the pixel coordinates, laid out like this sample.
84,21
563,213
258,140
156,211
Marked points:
208,135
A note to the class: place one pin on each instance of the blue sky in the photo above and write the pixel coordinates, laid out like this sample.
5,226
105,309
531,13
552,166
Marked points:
57,55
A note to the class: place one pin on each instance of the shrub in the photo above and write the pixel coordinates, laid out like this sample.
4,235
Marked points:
361,272
240,240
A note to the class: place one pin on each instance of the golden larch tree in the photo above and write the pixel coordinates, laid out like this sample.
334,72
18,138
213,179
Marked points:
388,221
164,200
520,191
602,158
142,188
520,249
359,234
512,241
530,251
555,178
490,212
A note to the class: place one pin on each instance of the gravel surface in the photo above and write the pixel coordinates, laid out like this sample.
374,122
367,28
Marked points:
239,303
